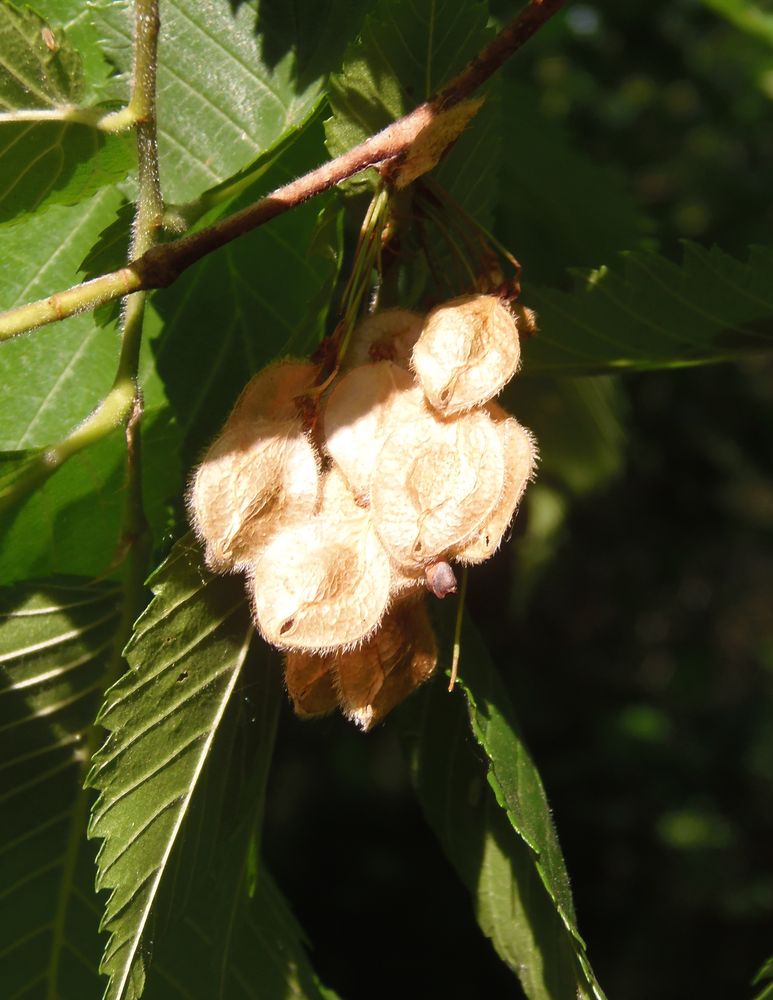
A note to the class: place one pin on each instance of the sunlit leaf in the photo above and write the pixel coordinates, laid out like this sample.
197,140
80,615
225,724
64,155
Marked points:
46,162
163,716
57,640
220,104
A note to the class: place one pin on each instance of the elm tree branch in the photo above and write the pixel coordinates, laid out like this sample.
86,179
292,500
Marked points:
162,264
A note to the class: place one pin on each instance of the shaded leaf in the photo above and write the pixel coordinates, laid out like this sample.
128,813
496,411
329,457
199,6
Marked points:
749,17
184,659
219,104
580,428
514,869
57,639
558,209
46,163
764,978
647,312
268,955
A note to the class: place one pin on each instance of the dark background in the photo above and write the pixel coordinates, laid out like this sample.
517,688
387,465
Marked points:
640,656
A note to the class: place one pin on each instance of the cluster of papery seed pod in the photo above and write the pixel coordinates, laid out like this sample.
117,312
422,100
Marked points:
342,522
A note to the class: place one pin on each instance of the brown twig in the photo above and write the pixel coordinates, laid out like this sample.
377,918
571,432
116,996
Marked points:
161,265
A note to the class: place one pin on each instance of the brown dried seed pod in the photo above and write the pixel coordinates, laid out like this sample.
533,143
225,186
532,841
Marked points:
434,484
520,451
399,657
310,684
323,583
468,350
385,336
257,476
363,408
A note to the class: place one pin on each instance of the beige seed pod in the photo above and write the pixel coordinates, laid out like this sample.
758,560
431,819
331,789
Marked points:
380,674
256,477
363,408
385,336
520,452
468,350
323,583
434,484
271,393
310,684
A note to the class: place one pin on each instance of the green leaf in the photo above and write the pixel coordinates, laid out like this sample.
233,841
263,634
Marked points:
72,523
38,68
185,659
45,163
499,833
263,296
749,17
54,376
579,424
52,379
646,312
558,209
48,162
268,952
220,105
74,19
57,639
764,978
406,50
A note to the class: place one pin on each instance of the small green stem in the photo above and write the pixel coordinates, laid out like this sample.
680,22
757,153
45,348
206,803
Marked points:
98,118
457,652
60,305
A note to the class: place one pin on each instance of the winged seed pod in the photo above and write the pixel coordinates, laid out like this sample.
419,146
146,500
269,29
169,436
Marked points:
468,350
261,472
310,684
363,408
272,392
434,485
378,675
322,583
385,336
253,479
520,453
